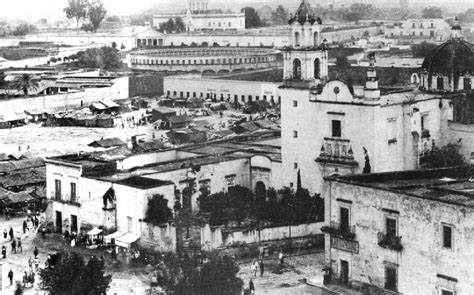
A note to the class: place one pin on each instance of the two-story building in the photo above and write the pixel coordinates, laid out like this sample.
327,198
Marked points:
407,232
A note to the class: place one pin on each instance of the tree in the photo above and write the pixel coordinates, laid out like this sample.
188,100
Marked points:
446,156
422,49
342,64
70,275
77,9
179,25
181,276
432,12
24,29
105,58
252,19
467,17
24,82
280,16
158,211
96,13
113,19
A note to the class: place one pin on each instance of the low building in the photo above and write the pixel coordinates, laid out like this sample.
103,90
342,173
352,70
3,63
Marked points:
199,18
435,29
408,232
95,190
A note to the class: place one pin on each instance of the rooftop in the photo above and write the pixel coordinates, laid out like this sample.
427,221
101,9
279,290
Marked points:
143,182
453,185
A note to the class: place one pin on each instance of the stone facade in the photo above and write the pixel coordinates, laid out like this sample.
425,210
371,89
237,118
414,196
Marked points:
417,254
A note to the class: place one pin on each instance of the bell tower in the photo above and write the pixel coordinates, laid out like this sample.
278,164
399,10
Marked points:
306,58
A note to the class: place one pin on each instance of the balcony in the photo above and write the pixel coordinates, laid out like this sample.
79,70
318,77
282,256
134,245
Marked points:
336,228
390,241
337,151
65,199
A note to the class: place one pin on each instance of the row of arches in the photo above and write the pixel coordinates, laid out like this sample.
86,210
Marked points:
298,38
297,69
217,61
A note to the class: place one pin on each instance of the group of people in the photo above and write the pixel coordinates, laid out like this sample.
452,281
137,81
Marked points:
29,274
258,264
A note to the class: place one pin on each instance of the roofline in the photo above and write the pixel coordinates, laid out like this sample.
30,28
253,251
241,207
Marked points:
347,180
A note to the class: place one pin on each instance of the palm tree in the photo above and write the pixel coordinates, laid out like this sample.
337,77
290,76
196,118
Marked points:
26,81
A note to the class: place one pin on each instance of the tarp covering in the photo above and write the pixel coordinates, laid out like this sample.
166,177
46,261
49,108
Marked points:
94,231
108,238
126,240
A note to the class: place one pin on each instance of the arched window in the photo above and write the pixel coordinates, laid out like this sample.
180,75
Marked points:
316,42
316,68
297,39
296,69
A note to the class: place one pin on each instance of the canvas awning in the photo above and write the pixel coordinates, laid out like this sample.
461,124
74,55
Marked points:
94,231
126,240
115,235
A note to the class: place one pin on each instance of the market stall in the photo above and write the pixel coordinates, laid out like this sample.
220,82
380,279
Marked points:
95,238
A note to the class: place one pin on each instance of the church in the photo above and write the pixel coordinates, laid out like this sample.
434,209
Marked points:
331,128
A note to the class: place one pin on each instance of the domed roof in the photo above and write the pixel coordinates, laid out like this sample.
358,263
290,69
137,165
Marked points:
304,14
454,57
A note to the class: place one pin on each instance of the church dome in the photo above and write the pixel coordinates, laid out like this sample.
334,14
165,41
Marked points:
454,57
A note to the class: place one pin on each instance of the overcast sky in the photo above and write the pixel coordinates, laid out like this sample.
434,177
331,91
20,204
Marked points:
35,9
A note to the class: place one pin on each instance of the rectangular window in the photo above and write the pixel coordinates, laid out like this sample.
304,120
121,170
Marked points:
295,165
336,128
243,98
444,292
73,192
391,279
391,227
447,236
257,97
295,134
344,219
250,98
291,184
295,103
57,189
265,97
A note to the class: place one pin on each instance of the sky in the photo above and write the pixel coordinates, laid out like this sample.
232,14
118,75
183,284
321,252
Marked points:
35,9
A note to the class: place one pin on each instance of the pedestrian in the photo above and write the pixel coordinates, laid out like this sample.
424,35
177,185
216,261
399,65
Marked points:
25,279
4,251
25,226
262,268
5,234
37,261
30,263
11,233
43,232
36,222
10,276
251,287
281,257
260,252
14,246
20,248
255,268
35,252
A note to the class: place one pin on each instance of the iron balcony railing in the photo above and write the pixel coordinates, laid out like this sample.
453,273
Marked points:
390,241
336,228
